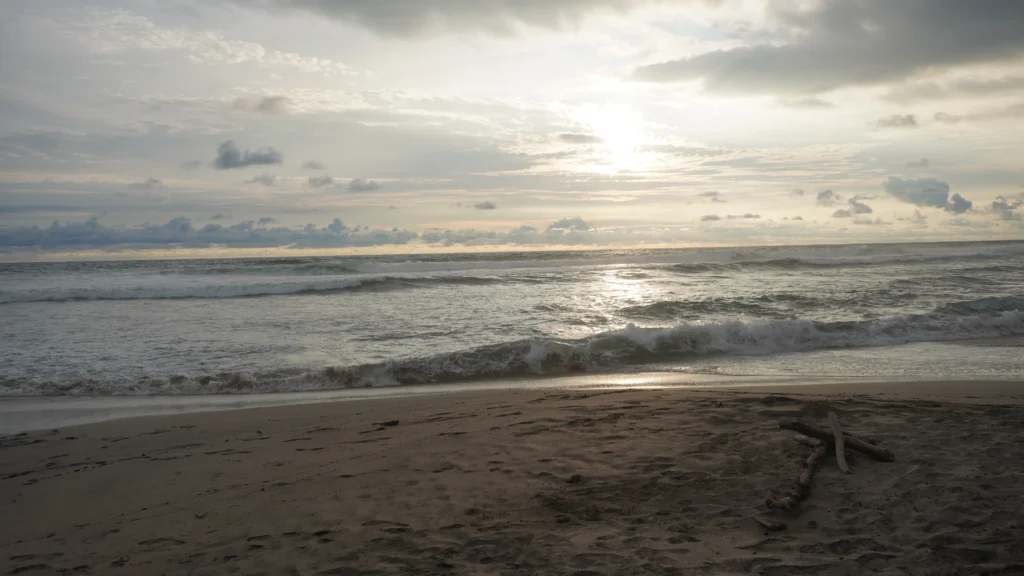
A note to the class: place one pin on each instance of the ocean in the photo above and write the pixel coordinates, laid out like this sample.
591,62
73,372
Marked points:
292,324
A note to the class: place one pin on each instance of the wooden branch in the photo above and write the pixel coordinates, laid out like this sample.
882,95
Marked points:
803,484
769,524
880,454
840,443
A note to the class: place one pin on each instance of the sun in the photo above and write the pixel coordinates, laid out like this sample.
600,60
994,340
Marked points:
620,132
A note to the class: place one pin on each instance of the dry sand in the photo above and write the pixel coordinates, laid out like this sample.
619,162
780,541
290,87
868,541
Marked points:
524,482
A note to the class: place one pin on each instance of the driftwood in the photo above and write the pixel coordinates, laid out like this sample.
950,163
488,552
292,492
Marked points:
878,453
803,484
837,431
769,524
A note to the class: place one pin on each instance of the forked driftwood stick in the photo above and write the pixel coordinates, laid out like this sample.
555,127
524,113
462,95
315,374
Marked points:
803,483
880,454
837,431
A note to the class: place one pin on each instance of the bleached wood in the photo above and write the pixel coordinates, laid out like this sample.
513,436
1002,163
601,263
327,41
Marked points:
837,431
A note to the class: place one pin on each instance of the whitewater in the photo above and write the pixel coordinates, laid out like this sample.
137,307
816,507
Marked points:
285,324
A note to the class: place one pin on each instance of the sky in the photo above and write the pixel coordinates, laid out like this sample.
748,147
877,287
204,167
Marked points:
407,125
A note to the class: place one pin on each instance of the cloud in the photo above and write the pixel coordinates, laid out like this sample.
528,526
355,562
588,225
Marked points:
229,156
485,205
219,216
179,232
191,165
320,181
363,185
420,17
572,224
859,207
579,138
807,103
926,192
313,165
958,204
710,218
828,198
897,121
267,180
922,163
796,192
1015,111
963,87
714,196
1005,209
870,222
273,105
842,213
747,216
831,44
147,184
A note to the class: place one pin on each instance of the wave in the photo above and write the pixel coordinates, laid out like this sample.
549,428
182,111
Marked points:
325,286
632,346
794,263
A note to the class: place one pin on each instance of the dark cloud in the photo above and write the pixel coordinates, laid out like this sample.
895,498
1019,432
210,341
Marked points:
955,89
1005,209
363,185
926,192
838,43
958,204
747,216
579,138
147,184
485,205
313,165
859,207
922,163
266,220
796,192
418,17
229,156
219,216
267,180
842,213
897,121
576,224
710,218
320,181
264,104
828,198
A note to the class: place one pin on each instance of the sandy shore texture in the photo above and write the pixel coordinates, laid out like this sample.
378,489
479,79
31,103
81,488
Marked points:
524,482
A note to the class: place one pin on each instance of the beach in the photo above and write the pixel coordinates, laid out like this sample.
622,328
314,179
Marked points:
528,481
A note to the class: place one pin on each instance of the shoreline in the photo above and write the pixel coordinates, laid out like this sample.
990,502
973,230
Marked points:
660,480
33,413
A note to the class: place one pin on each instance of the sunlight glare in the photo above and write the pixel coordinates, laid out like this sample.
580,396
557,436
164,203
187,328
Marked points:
621,132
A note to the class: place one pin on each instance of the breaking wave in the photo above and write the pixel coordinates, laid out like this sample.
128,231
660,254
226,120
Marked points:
626,348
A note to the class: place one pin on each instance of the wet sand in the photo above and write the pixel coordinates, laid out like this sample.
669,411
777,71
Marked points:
586,482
